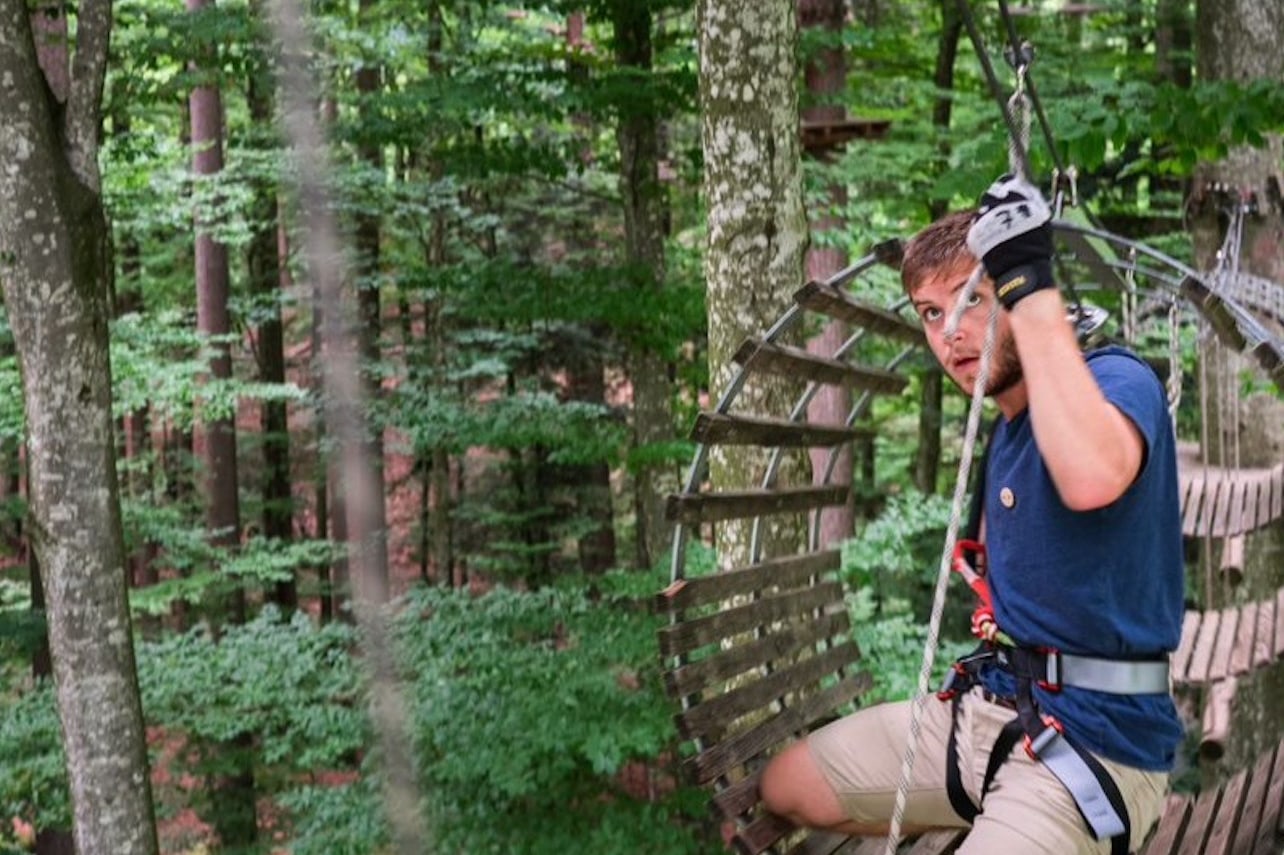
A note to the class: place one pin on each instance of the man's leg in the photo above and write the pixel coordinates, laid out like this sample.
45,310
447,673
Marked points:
845,776
1028,810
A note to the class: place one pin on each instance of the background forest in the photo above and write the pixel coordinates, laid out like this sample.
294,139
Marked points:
518,188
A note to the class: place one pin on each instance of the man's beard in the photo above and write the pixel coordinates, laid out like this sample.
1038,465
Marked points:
1006,370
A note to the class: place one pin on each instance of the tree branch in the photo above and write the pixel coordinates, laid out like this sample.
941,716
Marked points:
84,106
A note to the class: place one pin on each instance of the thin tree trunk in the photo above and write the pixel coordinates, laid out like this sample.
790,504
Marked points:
264,264
757,230
54,243
645,216
1243,41
826,76
232,793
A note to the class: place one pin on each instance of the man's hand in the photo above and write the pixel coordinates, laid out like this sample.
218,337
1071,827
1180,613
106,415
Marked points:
1013,239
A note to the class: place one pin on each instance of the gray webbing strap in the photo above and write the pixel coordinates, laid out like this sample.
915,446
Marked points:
1117,677
1075,775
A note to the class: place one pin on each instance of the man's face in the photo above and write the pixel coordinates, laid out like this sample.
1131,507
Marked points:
934,299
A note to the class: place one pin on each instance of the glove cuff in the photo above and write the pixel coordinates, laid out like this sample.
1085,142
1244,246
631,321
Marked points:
1023,280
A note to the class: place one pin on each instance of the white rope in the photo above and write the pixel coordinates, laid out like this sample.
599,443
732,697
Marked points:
1174,360
951,537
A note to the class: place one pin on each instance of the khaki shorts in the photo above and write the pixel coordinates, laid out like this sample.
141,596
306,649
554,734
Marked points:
1027,810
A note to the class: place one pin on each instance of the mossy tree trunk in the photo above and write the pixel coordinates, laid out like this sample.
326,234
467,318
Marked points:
55,269
757,229
1243,40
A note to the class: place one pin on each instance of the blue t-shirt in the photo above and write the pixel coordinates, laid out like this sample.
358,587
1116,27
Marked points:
1106,582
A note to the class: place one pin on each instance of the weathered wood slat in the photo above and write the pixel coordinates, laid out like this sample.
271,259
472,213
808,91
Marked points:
766,830
680,638
1264,637
715,713
1226,821
1246,833
692,508
1201,817
1180,663
1171,827
787,572
837,303
820,843
1197,672
1194,498
1279,623
1242,657
737,798
732,751
1219,666
794,362
687,680
723,429
1268,828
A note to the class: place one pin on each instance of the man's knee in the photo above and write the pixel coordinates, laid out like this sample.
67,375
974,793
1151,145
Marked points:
793,787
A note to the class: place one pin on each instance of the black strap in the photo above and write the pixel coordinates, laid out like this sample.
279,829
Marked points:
959,799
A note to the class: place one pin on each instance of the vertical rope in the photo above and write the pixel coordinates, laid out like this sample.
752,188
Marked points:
1174,360
951,536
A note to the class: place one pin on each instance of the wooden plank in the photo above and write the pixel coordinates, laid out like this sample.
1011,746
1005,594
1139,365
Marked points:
733,751
679,638
1264,637
694,677
1277,493
1268,828
787,572
1202,656
1202,816
1231,564
1190,514
723,429
797,363
1189,633
1279,623
1252,498
838,303
1171,826
1232,491
1212,498
1242,657
1245,487
1228,814
765,831
718,711
1219,665
737,798
1254,801
693,508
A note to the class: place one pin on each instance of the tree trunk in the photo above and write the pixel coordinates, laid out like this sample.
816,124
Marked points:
927,456
645,214
757,230
1243,40
264,264
231,792
826,76
55,271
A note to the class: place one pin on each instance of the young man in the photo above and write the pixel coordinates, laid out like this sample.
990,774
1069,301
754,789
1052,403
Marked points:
1083,549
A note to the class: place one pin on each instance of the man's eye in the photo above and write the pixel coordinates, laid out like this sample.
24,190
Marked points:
931,314
974,300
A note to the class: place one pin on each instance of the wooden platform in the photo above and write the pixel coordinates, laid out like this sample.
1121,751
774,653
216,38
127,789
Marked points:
1229,642
1227,502
1241,817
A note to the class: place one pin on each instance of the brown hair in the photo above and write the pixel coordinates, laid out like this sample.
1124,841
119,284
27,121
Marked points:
941,245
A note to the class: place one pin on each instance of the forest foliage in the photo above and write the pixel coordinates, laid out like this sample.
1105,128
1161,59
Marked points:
539,720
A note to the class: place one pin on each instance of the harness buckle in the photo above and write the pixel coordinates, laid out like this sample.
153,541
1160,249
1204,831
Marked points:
1051,730
1051,680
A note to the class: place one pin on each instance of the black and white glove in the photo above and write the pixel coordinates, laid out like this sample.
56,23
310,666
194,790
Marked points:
1012,236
